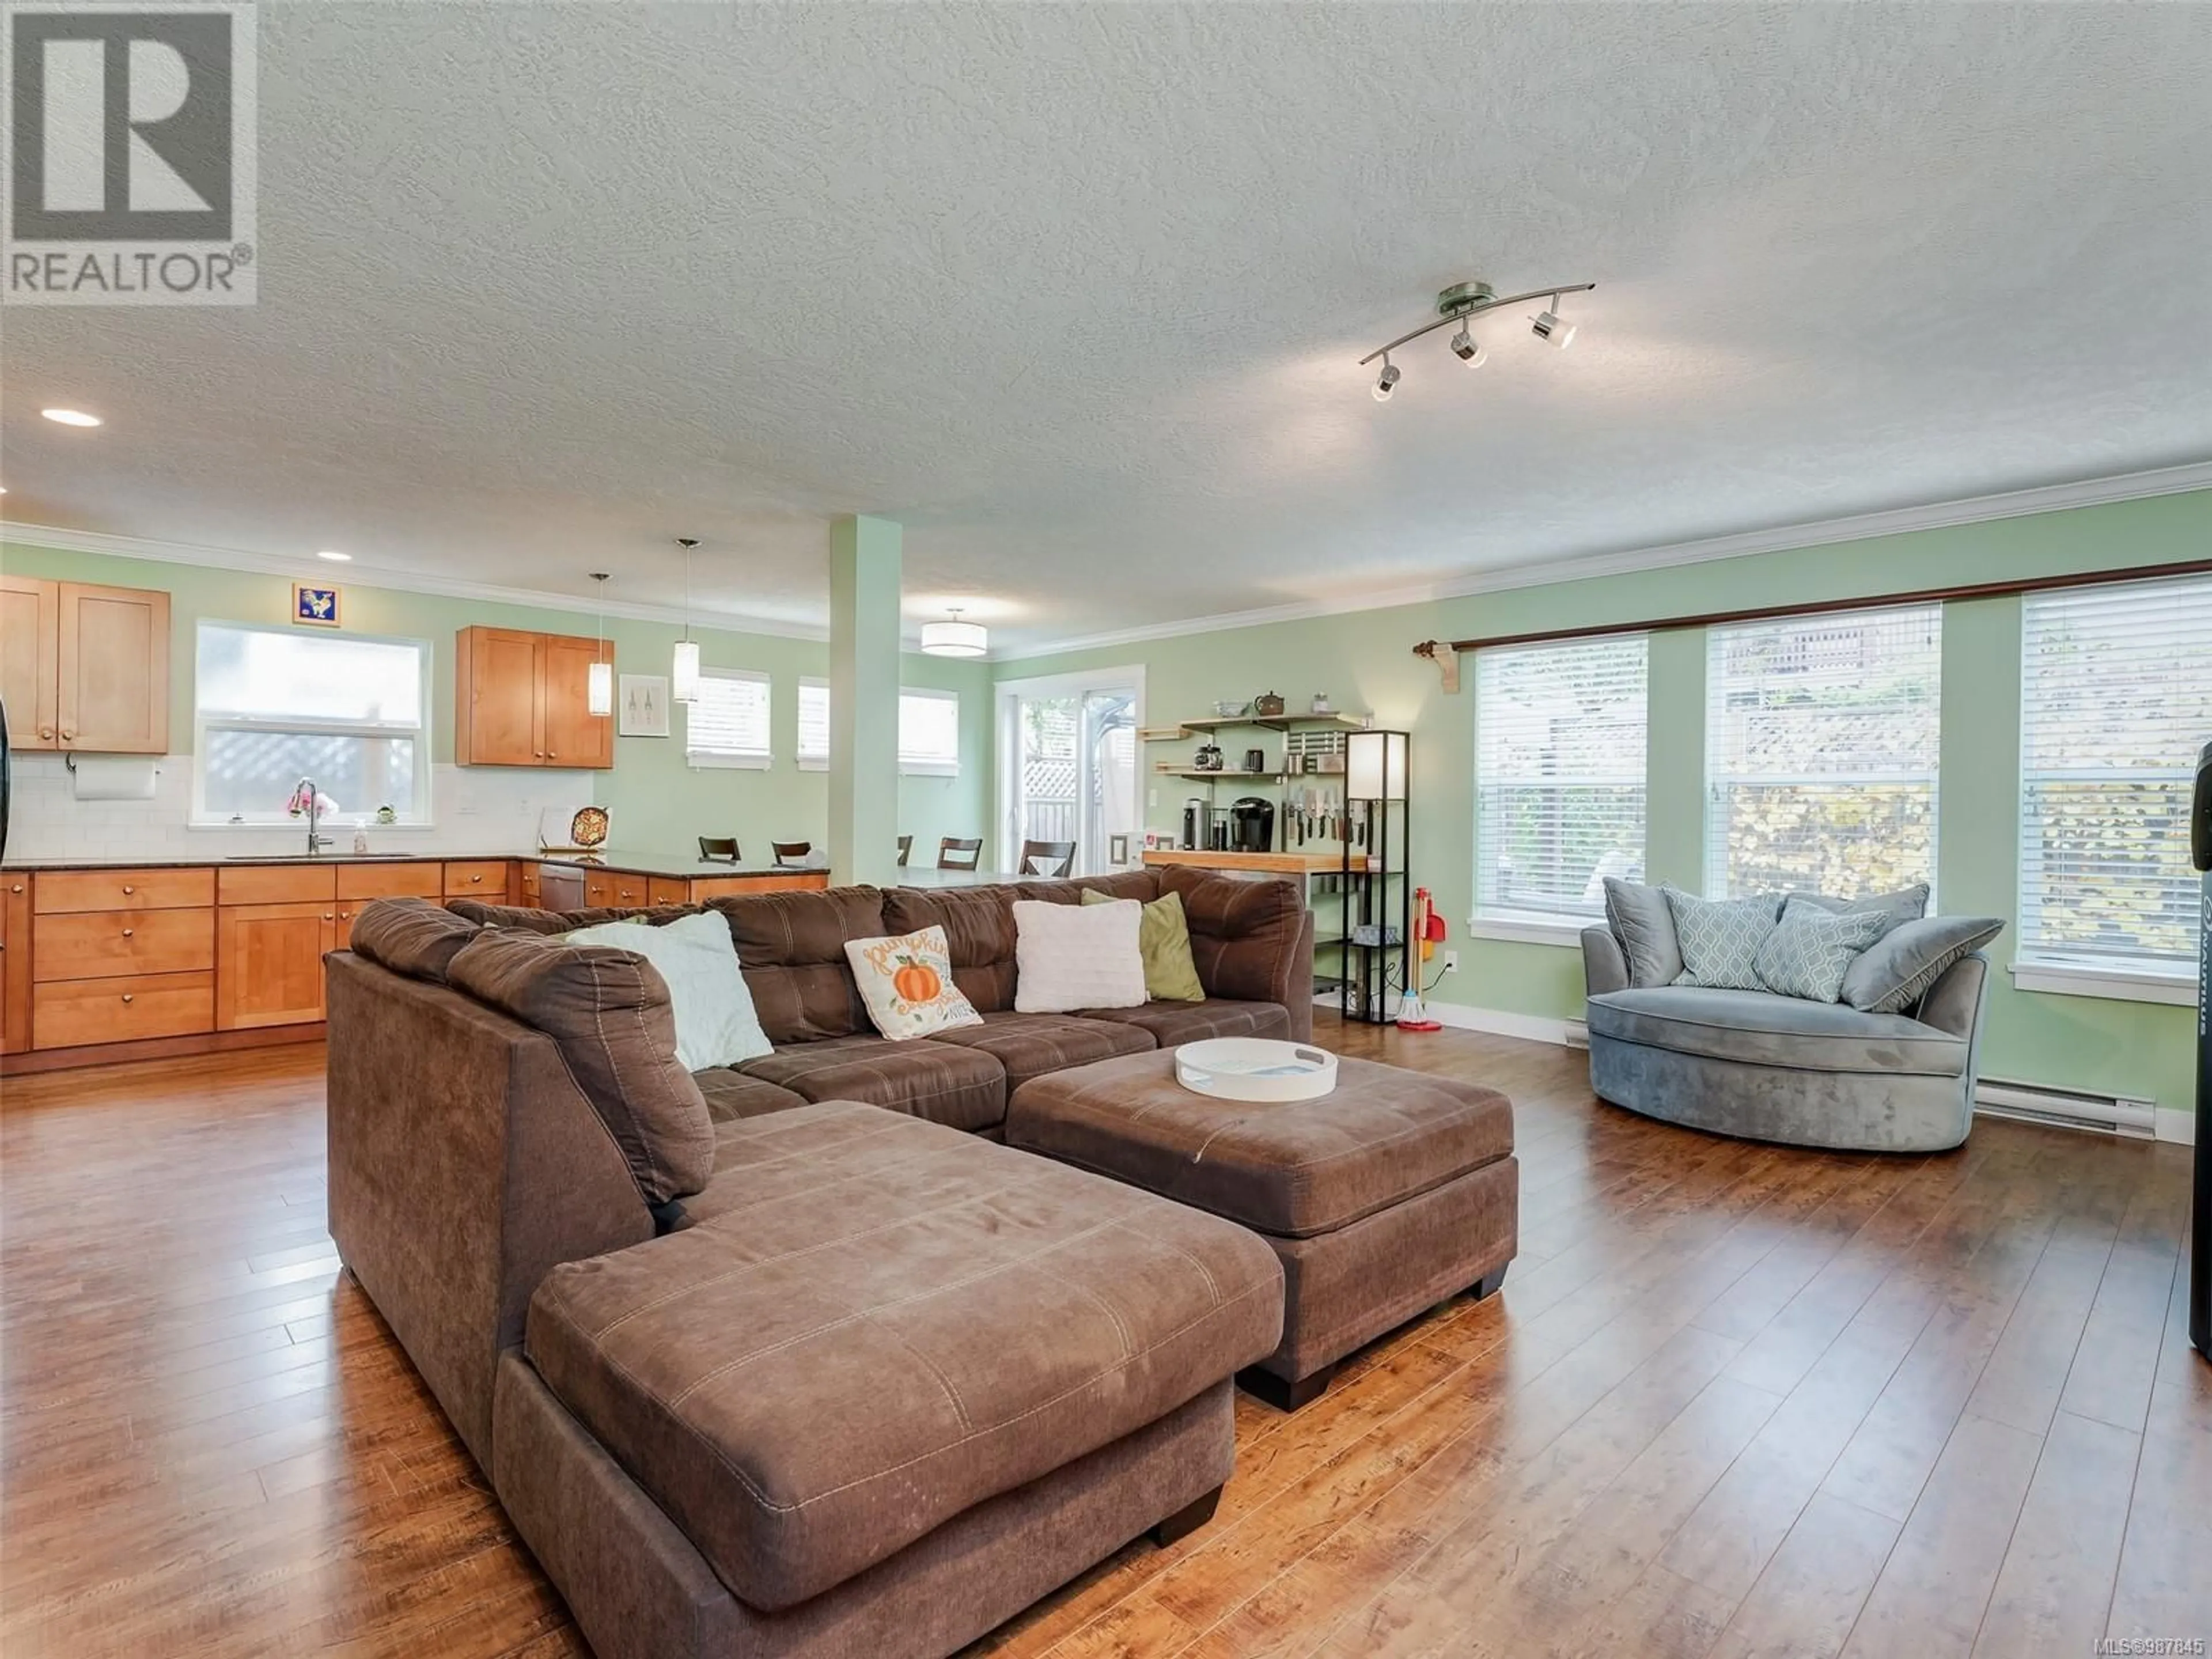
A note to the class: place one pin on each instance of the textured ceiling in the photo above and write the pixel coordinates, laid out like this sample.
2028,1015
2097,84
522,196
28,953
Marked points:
1076,293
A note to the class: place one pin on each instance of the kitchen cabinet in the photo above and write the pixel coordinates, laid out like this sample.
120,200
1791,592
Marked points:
84,666
529,886
358,884
523,699
268,963
15,965
478,878
75,1014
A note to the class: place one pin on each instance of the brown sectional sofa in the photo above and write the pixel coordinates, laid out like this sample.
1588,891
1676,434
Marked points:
871,1385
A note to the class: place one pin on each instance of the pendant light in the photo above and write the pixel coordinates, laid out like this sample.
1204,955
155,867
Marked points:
955,638
599,691
683,672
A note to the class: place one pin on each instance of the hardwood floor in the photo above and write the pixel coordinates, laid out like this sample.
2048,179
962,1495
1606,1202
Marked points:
1733,1400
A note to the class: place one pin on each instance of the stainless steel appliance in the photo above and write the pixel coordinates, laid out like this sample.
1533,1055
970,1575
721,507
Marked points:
1252,821
2200,1203
1197,824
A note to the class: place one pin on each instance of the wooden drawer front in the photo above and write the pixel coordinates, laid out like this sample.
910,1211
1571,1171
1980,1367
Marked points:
483,878
275,884
104,944
123,890
529,884
707,887
69,1013
611,888
369,881
665,891
599,889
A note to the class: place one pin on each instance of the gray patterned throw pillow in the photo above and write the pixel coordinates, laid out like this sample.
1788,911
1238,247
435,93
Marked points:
1810,952
1720,938
1895,973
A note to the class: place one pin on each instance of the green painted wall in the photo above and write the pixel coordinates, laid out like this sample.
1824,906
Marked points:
657,801
1364,661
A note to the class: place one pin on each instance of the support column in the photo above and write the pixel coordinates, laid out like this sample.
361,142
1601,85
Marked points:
863,690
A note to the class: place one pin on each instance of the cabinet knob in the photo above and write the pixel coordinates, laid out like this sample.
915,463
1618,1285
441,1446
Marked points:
327,916
126,996
475,877
47,732
538,753
128,890
127,931
68,736
18,888
550,755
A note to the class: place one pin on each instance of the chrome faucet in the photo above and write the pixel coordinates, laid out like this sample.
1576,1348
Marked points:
305,789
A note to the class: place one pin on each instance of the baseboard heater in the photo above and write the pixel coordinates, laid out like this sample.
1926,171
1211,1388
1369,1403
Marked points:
2065,1109
1577,1034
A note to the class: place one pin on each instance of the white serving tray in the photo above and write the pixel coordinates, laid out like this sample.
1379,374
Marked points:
1255,1068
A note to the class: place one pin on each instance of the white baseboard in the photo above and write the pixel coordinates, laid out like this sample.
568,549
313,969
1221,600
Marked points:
2177,1124
1500,1022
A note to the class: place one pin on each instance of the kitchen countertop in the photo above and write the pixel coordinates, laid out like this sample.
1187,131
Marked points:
623,862
676,866
1273,864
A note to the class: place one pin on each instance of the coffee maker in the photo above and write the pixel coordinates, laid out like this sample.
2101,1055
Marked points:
1253,825
1197,825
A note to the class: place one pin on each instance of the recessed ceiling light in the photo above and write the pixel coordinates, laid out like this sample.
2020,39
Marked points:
70,417
334,556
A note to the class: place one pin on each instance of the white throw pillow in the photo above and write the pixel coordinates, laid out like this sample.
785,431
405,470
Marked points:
1069,956
906,980
716,1024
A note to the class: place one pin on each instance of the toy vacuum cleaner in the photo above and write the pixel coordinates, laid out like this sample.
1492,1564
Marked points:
1428,932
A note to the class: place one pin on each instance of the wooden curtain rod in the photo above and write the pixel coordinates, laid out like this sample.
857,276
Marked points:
1817,607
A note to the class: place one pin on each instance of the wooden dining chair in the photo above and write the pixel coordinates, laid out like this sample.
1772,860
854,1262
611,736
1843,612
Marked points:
791,852
906,850
953,853
719,846
1047,858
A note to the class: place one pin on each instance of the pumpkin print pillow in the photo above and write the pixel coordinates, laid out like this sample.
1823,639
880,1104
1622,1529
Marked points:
906,982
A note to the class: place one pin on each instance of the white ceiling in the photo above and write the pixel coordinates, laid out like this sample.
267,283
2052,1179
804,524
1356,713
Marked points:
1076,293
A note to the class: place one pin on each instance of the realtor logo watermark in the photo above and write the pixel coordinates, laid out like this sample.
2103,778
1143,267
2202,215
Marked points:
129,160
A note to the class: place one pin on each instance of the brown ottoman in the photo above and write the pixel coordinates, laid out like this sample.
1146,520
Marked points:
1380,1198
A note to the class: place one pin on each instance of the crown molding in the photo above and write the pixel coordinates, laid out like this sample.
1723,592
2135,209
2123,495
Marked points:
1783,538
354,573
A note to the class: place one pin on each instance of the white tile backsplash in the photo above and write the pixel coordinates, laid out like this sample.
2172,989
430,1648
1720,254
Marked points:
477,809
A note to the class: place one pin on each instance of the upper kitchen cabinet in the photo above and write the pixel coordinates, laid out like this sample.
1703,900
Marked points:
85,667
525,700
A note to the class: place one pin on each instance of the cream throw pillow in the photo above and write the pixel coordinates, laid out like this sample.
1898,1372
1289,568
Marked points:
716,1024
1069,956
906,980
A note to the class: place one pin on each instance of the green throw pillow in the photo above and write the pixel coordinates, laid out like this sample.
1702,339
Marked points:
1164,941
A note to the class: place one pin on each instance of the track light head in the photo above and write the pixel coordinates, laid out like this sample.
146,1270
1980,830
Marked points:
1386,382
1471,351
1553,329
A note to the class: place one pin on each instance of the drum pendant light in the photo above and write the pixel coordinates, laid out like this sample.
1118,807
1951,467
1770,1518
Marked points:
600,688
683,672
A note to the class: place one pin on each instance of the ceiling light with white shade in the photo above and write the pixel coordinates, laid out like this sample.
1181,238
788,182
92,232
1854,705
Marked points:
599,684
955,638
1461,303
683,669
71,417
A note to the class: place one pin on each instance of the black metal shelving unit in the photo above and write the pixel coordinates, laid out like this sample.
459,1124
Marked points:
1375,898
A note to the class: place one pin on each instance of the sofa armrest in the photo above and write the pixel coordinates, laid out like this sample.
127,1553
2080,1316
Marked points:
1954,1002
1605,968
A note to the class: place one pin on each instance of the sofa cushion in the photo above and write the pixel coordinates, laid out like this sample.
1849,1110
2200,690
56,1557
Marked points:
1294,1168
1765,1030
964,1088
886,1325
608,1013
716,1024
1720,938
732,1094
525,919
411,936
1808,953
1245,935
1172,1024
1905,904
793,946
906,980
1895,973
979,935
1641,920
1027,1045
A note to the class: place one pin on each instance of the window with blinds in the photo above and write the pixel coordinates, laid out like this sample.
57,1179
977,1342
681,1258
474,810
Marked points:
2116,701
728,726
813,726
1822,744
1559,770
929,733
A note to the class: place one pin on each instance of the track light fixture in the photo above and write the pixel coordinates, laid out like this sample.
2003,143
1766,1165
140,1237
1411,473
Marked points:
1464,301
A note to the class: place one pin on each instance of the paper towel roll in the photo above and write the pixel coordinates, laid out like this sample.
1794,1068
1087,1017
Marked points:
113,777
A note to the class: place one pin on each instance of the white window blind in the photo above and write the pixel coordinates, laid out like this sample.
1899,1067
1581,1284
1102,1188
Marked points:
929,733
813,726
2116,700
729,724
274,705
1821,737
1559,768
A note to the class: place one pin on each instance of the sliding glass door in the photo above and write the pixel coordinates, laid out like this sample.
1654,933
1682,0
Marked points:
1068,771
